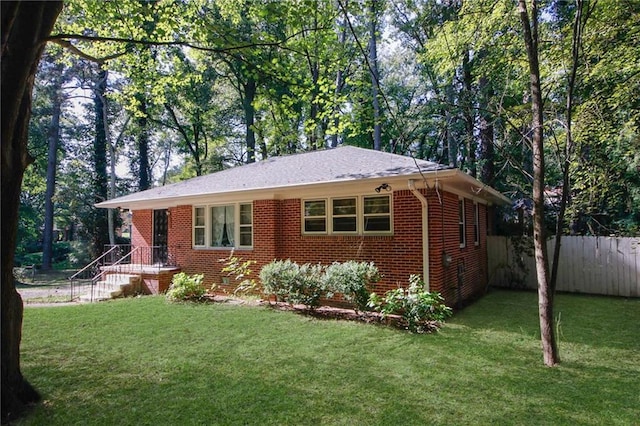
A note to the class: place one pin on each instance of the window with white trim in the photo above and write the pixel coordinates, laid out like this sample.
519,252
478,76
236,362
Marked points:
476,223
199,226
348,215
246,225
228,225
461,223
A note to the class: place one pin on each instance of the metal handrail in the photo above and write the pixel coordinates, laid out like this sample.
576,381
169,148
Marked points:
96,278
92,264
145,254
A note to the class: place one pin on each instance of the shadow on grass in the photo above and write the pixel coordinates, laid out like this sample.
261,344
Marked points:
599,321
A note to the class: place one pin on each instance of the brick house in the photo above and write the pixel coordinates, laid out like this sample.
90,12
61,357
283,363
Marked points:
408,216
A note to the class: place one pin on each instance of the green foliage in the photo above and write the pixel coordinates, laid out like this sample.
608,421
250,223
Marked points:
306,284
186,287
293,283
79,255
241,272
421,310
353,280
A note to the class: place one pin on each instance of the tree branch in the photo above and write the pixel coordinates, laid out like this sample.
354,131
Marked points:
69,46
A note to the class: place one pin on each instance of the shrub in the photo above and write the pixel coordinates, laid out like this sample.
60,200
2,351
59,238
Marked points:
421,311
352,279
276,276
186,287
289,282
241,272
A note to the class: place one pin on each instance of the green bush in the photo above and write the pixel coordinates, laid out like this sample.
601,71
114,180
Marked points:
292,283
421,311
186,287
353,280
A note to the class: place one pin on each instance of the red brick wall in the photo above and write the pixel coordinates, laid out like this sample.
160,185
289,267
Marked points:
469,264
277,235
142,228
396,256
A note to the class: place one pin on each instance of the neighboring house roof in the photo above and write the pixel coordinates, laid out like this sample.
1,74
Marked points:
346,164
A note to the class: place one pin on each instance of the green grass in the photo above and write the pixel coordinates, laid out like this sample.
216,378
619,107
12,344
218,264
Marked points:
144,361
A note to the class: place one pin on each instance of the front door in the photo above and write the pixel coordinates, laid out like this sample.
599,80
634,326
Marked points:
160,230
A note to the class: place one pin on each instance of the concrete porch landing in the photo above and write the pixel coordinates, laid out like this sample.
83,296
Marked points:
154,279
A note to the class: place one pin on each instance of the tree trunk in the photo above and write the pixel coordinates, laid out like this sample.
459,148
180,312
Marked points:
487,154
342,36
249,114
469,116
99,231
375,75
579,22
53,139
25,25
545,287
143,145
449,139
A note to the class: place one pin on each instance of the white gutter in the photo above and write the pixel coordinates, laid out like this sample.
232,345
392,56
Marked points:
425,232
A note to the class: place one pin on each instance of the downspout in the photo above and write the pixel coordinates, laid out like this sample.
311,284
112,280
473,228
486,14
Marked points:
425,232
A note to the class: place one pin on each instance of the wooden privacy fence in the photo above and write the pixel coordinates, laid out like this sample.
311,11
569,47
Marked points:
593,265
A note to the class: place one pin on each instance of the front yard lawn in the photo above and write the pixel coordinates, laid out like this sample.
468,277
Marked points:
144,361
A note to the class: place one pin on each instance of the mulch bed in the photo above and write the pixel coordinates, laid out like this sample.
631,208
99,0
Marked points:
325,312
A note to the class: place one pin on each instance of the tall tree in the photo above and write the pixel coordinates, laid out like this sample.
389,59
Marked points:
374,12
546,290
25,27
53,140
100,221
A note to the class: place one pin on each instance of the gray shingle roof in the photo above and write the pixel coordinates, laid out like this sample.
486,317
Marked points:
346,163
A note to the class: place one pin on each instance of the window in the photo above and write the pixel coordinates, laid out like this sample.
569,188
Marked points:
246,225
198,226
476,223
223,226
377,214
461,223
315,216
344,215
348,215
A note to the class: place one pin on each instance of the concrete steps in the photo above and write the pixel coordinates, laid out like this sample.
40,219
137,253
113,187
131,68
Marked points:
113,285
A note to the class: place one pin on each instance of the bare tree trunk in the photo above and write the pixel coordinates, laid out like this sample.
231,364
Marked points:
25,25
53,139
375,75
546,289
